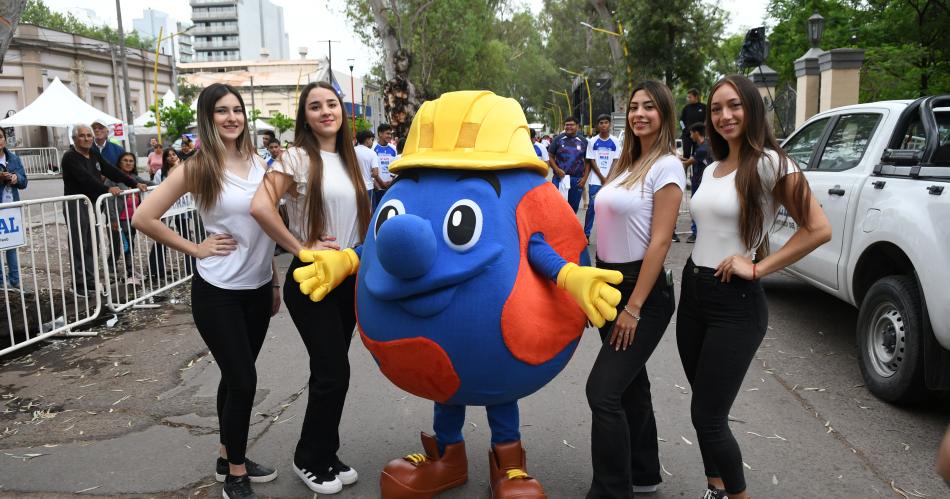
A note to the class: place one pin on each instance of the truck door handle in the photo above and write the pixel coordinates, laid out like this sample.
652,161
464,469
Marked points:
836,191
878,184
936,190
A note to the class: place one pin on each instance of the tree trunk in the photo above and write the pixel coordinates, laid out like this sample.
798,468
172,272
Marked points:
616,53
399,94
10,13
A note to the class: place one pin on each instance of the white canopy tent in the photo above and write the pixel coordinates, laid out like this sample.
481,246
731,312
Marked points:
141,122
57,106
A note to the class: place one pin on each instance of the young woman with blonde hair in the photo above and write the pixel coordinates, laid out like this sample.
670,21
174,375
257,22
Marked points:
723,314
636,213
328,208
235,290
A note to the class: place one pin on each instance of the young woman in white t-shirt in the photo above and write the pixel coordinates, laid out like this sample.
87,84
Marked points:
722,314
234,292
327,208
636,213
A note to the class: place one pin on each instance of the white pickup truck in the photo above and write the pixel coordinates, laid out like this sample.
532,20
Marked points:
881,171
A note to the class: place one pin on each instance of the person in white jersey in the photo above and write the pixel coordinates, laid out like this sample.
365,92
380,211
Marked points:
234,292
385,149
602,150
327,208
636,210
540,149
367,158
722,314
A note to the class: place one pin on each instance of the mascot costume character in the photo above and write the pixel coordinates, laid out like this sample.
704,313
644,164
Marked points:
469,290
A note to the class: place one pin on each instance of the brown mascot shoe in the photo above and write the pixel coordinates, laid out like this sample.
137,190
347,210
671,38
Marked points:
421,476
509,477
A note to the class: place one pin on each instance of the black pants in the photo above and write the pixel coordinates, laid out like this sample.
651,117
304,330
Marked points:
233,323
688,145
623,432
326,328
80,244
718,329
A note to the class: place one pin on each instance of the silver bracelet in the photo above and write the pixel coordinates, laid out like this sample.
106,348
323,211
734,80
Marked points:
627,310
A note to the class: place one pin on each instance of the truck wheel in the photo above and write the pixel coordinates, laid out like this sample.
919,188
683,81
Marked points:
890,340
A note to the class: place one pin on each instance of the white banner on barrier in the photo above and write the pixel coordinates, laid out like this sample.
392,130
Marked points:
11,228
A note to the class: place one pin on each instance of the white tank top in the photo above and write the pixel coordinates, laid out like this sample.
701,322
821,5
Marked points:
715,209
249,266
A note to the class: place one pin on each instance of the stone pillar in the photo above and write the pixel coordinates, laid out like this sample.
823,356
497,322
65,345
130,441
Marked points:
840,77
765,79
807,88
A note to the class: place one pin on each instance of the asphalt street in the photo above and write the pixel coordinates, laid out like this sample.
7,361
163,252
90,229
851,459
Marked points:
131,413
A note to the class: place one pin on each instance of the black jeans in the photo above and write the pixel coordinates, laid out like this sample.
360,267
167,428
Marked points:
718,329
623,431
326,328
233,323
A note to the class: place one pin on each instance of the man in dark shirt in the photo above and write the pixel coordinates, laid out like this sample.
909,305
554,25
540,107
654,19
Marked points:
83,169
693,112
697,164
567,154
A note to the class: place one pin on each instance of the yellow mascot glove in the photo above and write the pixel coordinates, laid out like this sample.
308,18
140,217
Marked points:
328,270
588,286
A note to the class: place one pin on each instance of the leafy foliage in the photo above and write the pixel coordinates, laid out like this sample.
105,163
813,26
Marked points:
175,119
36,12
281,122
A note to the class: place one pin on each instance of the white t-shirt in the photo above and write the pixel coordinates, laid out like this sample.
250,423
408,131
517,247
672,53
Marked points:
367,160
542,151
602,152
625,216
339,199
715,208
249,266
386,154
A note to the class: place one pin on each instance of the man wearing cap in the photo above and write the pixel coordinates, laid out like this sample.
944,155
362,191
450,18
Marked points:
109,151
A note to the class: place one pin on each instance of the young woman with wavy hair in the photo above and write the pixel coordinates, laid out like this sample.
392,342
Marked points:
636,213
722,314
328,208
235,290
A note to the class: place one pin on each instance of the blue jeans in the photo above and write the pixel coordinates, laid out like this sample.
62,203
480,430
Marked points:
13,276
575,192
589,218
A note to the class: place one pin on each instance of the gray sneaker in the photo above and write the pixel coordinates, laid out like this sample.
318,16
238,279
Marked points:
714,493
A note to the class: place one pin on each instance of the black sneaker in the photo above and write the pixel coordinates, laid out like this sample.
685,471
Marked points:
676,238
255,472
343,472
691,238
238,487
714,493
321,482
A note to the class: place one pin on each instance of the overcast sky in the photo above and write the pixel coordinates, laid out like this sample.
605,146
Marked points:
309,21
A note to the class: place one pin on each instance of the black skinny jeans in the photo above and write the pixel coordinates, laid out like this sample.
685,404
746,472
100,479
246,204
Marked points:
719,327
623,432
233,323
326,328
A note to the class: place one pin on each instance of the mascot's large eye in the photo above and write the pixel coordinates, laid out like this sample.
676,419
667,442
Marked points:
463,225
388,210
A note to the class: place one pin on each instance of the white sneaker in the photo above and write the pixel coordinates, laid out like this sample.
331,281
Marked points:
321,483
344,473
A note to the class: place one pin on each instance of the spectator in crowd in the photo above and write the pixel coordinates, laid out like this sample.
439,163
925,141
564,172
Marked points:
273,147
540,149
367,158
567,153
693,112
12,179
83,170
602,151
697,165
127,165
155,159
107,149
386,151
187,148
268,136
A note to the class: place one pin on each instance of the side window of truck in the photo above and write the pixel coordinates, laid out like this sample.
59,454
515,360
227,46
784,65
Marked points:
848,141
802,145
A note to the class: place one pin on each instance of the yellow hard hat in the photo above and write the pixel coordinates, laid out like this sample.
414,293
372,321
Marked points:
469,130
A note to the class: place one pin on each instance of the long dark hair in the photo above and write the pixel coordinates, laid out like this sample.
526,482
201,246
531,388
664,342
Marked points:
304,139
664,144
166,165
757,138
205,172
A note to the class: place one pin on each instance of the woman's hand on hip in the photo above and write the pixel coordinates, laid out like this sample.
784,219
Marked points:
217,245
735,265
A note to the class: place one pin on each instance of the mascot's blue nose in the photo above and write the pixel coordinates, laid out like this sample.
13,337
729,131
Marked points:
406,246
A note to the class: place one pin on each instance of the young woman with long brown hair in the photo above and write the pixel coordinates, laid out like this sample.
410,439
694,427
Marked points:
722,314
636,213
235,290
328,208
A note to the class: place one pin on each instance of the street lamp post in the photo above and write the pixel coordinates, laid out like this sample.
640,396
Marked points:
130,117
590,102
158,43
816,26
352,97
567,99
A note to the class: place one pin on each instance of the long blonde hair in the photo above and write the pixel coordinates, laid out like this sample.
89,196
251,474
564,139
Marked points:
632,158
205,170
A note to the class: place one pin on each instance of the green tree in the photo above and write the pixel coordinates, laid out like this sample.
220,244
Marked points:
362,124
281,122
36,12
187,92
175,120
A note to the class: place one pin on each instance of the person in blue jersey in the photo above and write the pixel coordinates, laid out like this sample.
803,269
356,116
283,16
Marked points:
567,158
539,148
386,150
602,151
697,164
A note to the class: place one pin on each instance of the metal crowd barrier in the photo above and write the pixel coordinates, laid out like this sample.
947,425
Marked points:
136,268
39,160
51,244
